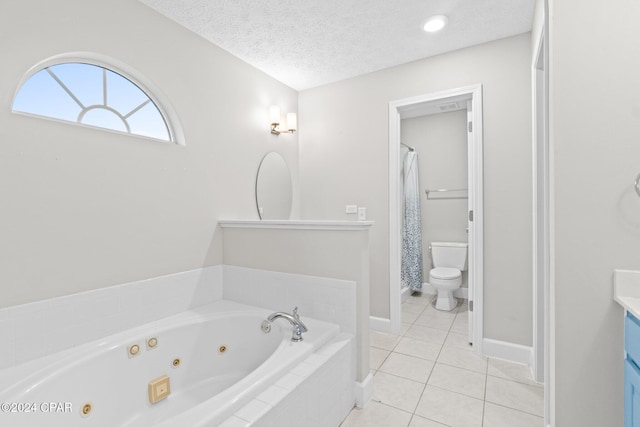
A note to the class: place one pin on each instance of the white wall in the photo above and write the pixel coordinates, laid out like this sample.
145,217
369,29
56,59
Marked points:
84,208
344,160
595,143
441,143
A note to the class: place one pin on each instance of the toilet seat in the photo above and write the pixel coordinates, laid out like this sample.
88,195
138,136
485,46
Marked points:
445,273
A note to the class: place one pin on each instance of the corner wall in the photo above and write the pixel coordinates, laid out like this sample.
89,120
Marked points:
344,160
595,143
84,208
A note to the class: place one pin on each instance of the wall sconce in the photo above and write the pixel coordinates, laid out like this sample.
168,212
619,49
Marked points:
291,125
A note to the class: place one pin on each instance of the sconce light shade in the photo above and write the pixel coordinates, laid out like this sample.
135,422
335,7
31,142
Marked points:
274,118
274,114
292,122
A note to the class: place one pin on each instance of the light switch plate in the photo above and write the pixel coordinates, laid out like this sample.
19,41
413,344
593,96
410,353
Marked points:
362,214
351,209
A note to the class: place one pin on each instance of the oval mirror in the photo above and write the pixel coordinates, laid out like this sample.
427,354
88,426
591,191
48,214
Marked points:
273,188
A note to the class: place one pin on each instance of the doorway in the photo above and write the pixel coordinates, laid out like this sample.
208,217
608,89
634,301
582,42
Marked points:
471,97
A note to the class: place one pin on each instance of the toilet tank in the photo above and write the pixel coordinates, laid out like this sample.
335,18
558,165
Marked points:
449,254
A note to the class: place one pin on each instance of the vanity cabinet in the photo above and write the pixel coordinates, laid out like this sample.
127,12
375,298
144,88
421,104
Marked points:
631,371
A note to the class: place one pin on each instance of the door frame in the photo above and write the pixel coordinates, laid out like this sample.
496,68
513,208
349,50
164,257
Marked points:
541,216
410,107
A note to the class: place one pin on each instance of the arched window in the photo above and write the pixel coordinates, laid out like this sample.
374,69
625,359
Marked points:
92,95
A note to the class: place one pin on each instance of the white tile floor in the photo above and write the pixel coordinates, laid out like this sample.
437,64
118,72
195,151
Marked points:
429,377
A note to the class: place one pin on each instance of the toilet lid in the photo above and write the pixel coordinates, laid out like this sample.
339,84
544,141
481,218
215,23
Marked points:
445,273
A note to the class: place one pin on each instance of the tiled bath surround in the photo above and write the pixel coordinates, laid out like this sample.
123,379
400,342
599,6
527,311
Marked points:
331,300
45,327
37,329
319,391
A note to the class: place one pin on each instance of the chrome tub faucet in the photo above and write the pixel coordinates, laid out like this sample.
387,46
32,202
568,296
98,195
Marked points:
294,320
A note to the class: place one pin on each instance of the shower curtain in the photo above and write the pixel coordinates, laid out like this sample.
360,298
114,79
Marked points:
411,270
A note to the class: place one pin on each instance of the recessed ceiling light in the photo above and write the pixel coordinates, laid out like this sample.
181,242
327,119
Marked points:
435,23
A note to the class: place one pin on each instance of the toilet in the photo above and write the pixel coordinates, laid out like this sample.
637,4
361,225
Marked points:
449,261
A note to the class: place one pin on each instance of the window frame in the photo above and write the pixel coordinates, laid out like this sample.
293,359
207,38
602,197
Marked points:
174,129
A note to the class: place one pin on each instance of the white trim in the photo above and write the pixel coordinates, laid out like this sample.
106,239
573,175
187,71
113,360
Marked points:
542,244
507,351
405,293
379,324
394,217
98,128
540,207
364,391
296,224
411,105
476,229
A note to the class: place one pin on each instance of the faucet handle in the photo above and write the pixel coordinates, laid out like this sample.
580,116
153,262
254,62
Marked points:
295,313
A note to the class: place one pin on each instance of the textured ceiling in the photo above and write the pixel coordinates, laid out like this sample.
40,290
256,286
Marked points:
306,43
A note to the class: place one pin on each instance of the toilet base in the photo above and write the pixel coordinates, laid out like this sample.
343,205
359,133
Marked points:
446,301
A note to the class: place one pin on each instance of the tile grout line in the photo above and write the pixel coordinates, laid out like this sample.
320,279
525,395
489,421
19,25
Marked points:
413,414
434,365
430,373
484,403
514,409
402,335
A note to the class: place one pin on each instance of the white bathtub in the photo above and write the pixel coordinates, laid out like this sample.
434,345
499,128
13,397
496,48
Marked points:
207,386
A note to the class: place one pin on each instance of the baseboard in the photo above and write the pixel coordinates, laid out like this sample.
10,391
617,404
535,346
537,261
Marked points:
507,351
405,293
364,391
382,325
379,324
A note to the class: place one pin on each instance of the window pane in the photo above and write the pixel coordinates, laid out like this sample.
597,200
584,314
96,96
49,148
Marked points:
83,80
123,95
70,91
104,118
148,122
42,95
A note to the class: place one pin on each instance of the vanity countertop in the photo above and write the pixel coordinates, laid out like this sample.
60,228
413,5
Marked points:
626,290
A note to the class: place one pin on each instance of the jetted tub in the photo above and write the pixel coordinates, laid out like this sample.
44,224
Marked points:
217,359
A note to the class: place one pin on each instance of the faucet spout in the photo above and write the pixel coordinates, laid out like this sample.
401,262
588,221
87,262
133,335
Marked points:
298,326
